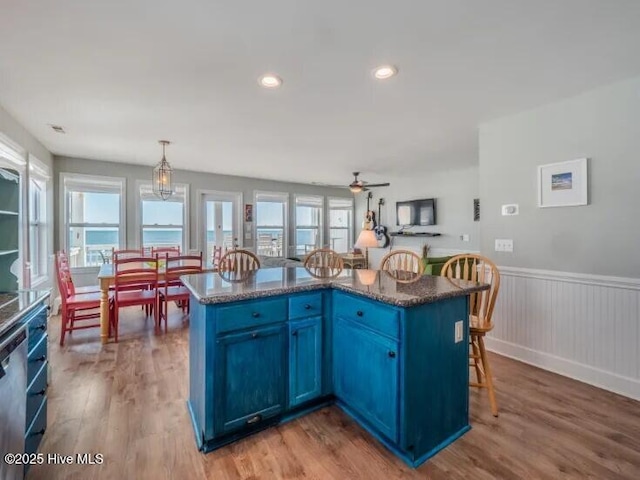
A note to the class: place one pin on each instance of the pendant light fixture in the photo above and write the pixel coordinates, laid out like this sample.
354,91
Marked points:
162,175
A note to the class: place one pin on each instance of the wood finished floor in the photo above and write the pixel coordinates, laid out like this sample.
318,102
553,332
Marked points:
127,401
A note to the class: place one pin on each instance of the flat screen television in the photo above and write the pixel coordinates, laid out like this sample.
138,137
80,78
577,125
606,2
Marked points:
416,212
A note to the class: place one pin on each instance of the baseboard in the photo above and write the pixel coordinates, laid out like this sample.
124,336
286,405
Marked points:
629,387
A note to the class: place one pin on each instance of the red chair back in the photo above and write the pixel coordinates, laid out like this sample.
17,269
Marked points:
182,265
165,251
126,253
63,274
216,255
135,271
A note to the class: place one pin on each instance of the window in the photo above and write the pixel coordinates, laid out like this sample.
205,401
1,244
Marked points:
162,222
94,218
38,242
341,224
271,224
308,223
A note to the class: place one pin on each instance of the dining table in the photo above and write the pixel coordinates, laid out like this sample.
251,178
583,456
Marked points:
106,279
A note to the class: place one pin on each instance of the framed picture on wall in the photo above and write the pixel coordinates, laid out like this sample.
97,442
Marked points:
563,184
248,212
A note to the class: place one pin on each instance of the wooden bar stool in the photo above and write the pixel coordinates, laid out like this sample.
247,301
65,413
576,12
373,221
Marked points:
477,268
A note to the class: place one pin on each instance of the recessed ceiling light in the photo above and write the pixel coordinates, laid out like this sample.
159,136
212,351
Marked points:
385,71
270,80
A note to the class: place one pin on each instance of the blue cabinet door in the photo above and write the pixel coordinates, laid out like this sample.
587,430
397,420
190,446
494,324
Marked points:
251,376
305,360
365,373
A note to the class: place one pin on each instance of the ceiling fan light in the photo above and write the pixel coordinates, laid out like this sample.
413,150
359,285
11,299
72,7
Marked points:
355,188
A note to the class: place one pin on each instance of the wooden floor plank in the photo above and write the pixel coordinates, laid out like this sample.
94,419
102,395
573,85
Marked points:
127,401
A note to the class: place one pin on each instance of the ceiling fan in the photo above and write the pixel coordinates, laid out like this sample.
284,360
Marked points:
358,186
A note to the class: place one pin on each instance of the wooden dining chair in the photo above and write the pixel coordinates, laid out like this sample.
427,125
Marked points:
239,261
477,268
173,289
126,253
324,262
135,283
77,306
398,261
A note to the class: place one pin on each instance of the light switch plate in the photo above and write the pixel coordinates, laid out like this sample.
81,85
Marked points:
459,334
504,245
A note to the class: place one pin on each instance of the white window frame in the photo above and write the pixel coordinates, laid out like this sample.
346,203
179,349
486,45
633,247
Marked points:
88,181
38,175
140,184
204,196
314,201
349,228
277,197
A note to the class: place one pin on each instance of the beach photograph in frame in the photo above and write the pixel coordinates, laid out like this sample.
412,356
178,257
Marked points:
563,184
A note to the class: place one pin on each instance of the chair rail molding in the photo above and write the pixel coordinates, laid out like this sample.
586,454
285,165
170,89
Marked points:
583,326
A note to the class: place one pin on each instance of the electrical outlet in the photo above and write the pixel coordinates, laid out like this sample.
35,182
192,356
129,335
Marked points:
464,237
459,334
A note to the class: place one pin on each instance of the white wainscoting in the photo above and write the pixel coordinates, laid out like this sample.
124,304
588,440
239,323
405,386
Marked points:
583,326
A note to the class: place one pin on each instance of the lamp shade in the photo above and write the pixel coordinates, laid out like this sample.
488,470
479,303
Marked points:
366,277
367,239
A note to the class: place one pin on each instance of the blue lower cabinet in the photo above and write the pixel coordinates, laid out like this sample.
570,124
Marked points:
365,375
251,377
305,360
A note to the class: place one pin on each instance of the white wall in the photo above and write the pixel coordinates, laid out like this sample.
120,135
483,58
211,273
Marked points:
454,191
570,298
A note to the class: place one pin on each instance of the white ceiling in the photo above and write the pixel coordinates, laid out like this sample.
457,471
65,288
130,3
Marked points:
120,75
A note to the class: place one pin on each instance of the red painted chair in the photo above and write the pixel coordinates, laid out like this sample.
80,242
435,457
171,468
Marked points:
76,306
216,255
63,261
165,251
173,289
135,283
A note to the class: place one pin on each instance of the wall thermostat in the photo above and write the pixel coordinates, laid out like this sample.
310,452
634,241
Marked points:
511,209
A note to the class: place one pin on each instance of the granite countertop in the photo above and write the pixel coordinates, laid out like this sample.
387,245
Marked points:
402,290
14,305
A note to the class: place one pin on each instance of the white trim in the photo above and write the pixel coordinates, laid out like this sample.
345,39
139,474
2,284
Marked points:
185,213
581,278
13,154
218,195
278,197
64,207
320,204
629,387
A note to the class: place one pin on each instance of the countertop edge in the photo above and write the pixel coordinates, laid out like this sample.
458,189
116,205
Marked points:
13,320
337,285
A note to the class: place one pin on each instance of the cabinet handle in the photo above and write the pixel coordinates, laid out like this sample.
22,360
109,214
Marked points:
294,333
359,313
41,392
392,354
255,314
41,327
39,432
254,419
39,359
254,334
307,307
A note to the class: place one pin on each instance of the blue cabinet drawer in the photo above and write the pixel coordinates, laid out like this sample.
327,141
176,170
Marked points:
309,305
36,430
373,315
37,322
37,357
36,393
251,314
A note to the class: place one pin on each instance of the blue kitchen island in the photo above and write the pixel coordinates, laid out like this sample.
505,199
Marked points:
277,343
